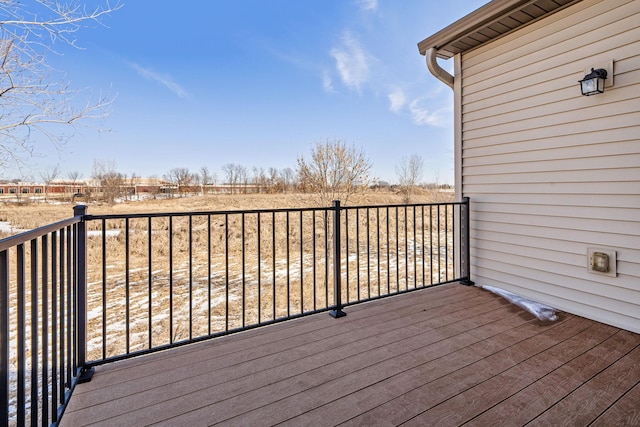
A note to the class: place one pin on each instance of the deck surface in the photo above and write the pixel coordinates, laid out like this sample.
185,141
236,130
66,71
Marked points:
444,356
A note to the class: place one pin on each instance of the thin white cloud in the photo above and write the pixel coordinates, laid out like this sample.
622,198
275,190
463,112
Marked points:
426,115
397,100
352,62
368,5
163,79
327,83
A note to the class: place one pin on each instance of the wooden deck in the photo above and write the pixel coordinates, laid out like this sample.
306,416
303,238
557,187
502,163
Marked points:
449,355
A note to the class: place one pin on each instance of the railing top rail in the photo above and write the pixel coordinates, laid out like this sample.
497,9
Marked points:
255,211
403,205
11,241
197,213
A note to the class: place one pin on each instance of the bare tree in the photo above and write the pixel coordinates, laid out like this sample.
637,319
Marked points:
181,178
74,176
47,176
273,180
334,171
229,170
243,177
110,181
409,172
34,96
260,179
288,177
206,178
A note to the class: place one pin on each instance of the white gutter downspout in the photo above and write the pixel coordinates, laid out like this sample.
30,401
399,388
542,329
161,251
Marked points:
435,69
446,78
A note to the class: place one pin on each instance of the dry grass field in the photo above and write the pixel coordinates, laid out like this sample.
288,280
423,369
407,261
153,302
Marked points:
30,215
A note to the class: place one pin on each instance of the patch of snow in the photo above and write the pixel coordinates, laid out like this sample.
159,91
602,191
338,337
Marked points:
108,233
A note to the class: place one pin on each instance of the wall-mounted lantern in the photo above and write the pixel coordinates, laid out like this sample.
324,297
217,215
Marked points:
593,83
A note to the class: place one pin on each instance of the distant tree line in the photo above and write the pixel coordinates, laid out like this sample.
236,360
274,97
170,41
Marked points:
332,171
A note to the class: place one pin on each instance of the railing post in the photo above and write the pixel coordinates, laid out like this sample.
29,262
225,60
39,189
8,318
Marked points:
465,243
81,295
337,274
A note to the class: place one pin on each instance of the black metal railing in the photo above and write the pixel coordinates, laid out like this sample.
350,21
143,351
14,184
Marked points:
40,355
109,287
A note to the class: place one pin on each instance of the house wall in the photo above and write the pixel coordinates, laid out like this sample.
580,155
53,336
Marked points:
549,172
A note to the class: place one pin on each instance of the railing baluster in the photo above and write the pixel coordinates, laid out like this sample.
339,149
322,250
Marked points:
4,336
301,267
127,286
21,332
358,250
273,255
259,271
104,287
33,271
70,296
424,282
288,269
368,254
388,254
415,257
172,332
209,314
226,267
346,250
44,283
190,276
406,250
439,245
149,283
431,244
244,277
315,262
54,326
397,236
446,242
326,258
61,299
378,245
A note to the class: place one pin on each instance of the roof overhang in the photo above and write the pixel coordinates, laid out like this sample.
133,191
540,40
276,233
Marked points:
493,20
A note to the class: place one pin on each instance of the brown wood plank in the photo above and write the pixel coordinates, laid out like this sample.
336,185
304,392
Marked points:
431,393
625,412
595,396
528,403
475,400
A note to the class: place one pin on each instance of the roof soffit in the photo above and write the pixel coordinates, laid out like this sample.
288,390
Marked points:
493,20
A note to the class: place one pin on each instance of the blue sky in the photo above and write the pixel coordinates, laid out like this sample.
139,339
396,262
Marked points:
258,83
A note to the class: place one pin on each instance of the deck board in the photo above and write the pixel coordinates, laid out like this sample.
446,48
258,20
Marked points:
442,356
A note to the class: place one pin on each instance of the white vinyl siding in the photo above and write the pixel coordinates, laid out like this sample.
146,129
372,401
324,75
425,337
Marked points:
551,173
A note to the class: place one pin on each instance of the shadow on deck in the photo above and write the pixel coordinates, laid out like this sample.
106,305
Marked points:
442,356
